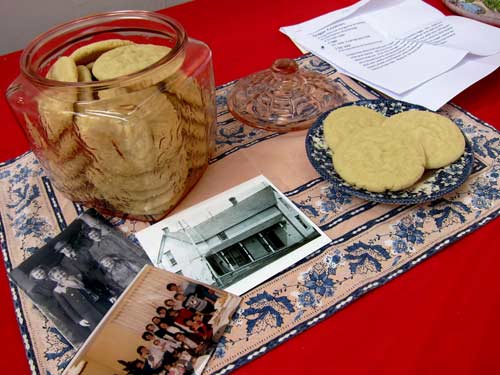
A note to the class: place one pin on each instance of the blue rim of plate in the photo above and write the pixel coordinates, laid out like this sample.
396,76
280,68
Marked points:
435,183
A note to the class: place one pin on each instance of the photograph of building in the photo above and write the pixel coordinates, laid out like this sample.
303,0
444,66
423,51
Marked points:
243,231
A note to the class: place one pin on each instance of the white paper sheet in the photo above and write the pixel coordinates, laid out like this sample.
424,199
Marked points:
404,48
435,93
356,46
394,20
461,33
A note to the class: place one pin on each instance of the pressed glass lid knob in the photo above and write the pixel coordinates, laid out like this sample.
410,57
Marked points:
285,66
283,98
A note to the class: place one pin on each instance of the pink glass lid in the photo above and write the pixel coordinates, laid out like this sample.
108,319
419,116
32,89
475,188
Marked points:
283,98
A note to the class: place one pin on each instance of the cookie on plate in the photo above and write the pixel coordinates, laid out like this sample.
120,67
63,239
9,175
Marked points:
379,159
442,140
346,121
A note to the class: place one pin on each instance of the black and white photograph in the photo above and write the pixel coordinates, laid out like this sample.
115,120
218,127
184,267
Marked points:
148,331
77,276
235,240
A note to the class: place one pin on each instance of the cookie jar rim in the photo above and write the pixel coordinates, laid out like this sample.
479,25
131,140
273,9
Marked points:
28,66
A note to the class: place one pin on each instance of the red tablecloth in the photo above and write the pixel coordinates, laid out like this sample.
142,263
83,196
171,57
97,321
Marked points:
441,317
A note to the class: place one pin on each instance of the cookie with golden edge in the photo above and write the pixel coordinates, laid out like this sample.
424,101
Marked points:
196,107
186,89
168,167
111,93
127,141
379,159
343,122
69,172
126,60
56,111
34,134
197,129
84,75
63,70
65,150
55,105
163,193
160,74
151,206
193,109
90,52
442,140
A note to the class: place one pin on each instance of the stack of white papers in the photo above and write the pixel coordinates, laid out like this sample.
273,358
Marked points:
404,48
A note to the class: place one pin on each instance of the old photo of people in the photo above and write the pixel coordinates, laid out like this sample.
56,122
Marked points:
77,276
163,324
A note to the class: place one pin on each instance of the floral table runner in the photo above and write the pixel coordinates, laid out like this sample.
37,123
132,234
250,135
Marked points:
371,243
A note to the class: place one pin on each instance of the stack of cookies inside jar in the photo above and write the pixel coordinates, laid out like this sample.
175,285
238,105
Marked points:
127,132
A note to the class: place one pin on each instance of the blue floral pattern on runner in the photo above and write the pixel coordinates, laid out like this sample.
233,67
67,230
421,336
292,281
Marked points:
220,349
266,311
323,206
486,192
364,258
408,231
24,194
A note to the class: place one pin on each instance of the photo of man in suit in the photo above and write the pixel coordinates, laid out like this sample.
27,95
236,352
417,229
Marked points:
81,263
42,293
79,303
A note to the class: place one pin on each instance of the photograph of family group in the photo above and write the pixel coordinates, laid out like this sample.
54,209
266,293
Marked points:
77,276
164,324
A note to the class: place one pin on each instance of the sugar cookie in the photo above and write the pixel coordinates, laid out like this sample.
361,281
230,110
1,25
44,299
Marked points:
346,121
379,159
84,75
126,60
442,140
131,139
89,53
64,70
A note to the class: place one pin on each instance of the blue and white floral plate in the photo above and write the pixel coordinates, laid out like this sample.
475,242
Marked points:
433,184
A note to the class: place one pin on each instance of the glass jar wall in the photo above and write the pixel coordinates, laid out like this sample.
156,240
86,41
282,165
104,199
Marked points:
132,145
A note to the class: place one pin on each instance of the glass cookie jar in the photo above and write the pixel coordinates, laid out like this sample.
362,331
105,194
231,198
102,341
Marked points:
132,145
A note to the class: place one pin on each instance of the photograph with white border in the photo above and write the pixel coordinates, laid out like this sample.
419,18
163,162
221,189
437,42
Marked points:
235,240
